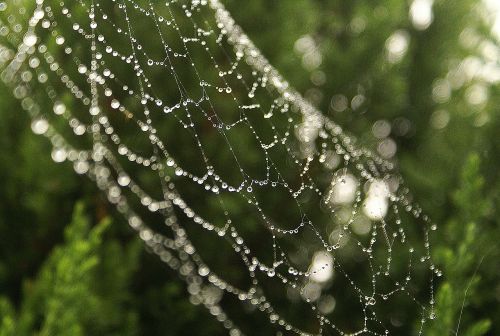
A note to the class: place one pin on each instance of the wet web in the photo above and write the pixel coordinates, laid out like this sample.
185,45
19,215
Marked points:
201,144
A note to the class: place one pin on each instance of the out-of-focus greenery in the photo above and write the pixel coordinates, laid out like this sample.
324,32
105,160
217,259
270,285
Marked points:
462,256
81,280
93,279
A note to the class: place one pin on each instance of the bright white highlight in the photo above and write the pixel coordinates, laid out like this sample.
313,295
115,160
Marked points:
30,39
397,46
376,204
321,267
344,189
421,14
39,126
494,7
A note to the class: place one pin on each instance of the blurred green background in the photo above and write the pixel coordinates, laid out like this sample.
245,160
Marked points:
418,87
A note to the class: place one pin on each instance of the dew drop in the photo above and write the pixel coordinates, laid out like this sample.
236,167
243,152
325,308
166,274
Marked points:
40,126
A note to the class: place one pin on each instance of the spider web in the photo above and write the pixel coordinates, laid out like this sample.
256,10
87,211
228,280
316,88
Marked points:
201,144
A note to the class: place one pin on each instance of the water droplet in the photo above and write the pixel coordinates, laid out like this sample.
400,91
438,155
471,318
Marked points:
39,126
123,180
58,155
30,39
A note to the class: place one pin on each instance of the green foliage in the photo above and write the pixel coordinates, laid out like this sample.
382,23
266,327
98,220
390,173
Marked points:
462,255
81,289
7,322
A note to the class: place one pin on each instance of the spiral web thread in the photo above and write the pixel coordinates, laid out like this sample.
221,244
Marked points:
358,191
